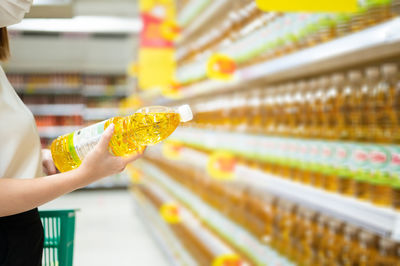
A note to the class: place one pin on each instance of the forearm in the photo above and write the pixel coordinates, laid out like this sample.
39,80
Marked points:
19,195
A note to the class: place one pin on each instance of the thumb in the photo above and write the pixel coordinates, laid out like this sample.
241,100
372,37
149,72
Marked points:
106,137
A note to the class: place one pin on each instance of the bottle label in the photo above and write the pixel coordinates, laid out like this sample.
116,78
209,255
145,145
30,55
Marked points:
85,139
394,165
328,151
342,154
379,157
360,156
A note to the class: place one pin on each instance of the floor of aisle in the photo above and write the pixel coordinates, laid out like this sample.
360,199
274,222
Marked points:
108,230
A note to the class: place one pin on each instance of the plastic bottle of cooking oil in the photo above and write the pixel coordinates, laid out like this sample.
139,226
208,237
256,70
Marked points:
299,107
148,126
349,247
332,99
320,107
343,107
390,87
309,114
351,92
383,104
368,248
387,253
334,242
369,103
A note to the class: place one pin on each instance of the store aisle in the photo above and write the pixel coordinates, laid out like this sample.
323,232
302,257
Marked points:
108,232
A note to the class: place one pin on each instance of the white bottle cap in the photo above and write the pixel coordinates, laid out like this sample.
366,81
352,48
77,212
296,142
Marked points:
185,112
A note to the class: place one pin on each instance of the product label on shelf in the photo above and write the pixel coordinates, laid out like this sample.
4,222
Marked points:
342,154
227,260
394,164
170,213
328,152
84,140
379,157
221,165
172,149
360,156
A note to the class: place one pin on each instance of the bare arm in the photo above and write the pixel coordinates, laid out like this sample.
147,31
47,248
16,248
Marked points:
19,195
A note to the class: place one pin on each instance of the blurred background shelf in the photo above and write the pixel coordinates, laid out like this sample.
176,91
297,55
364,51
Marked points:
55,131
99,113
156,227
203,20
48,91
56,109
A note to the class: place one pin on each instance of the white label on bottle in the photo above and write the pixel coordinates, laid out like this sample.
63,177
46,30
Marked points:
86,138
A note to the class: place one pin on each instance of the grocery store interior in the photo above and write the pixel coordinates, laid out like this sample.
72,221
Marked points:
293,153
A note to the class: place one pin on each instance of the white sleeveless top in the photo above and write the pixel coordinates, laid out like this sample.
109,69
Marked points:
20,149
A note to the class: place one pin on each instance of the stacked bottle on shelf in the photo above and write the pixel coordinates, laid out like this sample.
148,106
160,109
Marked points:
339,132
250,36
303,235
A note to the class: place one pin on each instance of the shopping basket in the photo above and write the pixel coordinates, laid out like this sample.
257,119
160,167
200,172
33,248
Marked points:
59,232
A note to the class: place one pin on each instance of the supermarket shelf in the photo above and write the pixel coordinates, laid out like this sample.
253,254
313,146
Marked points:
236,235
55,131
383,221
50,91
377,42
101,91
164,237
120,180
99,113
56,109
203,20
209,240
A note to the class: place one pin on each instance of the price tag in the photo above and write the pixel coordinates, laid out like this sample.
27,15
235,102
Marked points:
170,213
221,165
221,67
170,30
172,149
227,260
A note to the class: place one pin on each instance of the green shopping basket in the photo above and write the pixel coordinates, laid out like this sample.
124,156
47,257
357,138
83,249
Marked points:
59,232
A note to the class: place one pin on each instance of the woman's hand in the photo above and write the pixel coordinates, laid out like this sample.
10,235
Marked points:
47,162
101,163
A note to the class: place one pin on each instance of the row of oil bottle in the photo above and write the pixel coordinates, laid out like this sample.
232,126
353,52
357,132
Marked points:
303,235
249,35
359,105
363,171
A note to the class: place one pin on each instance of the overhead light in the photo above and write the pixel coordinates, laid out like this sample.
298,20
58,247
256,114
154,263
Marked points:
89,24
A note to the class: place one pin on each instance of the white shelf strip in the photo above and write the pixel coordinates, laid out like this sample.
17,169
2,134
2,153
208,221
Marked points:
373,43
237,235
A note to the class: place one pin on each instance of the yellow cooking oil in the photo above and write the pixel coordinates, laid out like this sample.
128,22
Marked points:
148,126
351,104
